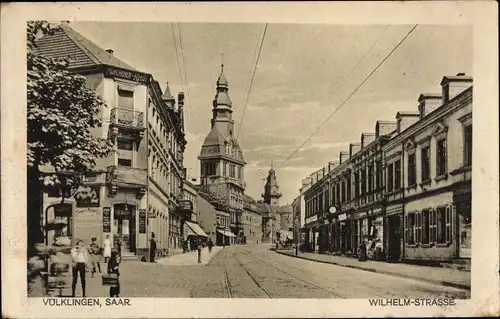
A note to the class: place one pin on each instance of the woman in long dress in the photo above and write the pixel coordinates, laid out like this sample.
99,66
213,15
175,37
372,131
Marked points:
106,249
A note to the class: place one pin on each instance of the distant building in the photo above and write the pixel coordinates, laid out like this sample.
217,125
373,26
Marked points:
270,217
252,222
285,229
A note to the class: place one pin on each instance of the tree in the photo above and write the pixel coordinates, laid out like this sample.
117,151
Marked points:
61,112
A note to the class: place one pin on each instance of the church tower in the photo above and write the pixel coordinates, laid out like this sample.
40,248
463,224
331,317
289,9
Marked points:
221,158
271,189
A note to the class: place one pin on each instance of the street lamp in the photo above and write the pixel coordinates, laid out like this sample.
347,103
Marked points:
331,213
297,226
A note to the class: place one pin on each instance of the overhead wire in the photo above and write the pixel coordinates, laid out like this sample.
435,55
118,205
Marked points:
252,80
348,98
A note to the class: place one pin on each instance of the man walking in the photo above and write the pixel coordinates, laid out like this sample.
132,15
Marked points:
210,244
199,247
152,248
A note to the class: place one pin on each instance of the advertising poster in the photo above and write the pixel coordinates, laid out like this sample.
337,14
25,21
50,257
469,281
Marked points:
87,224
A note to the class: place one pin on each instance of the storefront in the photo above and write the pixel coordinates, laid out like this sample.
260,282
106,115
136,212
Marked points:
193,234
225,237
462,198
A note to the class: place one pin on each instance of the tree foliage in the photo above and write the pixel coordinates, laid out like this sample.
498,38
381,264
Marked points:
61,112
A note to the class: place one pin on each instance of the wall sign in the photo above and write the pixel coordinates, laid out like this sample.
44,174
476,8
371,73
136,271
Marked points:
87,224
106,220
126,74
142,221
87,196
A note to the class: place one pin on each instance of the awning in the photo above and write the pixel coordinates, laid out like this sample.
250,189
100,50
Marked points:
226,233
196,229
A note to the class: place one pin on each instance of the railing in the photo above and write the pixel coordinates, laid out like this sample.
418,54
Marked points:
127,118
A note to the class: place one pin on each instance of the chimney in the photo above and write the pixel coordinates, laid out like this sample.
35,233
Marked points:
344,156
384,128
354,148
406,119
454,85
428,102
110,51
366,139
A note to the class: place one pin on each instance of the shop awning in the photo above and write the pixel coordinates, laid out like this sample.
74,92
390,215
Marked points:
226,233
195,229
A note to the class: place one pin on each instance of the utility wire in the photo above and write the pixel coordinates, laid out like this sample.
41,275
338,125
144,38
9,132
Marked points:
251,81
176,53
185,76
347,99
354,68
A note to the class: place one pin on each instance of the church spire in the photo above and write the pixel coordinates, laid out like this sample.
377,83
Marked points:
167,97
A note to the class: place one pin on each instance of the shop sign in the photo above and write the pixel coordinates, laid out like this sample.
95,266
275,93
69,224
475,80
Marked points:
342,217
311,219
151,213
142,221
87,224
87,196
106,220
128,75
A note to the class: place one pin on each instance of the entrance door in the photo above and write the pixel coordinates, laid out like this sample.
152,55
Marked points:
394,245
124,227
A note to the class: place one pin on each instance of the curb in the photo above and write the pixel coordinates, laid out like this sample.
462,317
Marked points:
443,283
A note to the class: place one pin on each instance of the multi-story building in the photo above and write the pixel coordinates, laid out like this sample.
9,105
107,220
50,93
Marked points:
252,222
221,161
192,231
433,151
406,186
127,188
285,229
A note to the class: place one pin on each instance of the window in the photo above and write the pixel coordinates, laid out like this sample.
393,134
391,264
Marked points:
425,163
397,175
231,170
443,225
356,184
390,177
379,174
363,182
412,170
371,176
224,169
441,157
125,98
125,145
124,162
418,227
410,229
209,169
468,145
426,226
344,191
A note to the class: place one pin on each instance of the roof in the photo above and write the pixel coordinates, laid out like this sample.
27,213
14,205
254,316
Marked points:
67,43
264,207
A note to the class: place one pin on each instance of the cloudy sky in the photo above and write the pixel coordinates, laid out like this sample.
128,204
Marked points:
296,85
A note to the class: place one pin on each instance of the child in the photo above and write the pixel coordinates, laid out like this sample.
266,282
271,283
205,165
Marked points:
114,291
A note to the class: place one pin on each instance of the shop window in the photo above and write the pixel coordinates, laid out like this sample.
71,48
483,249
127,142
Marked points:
390,177
468,145
410,227
443,225
441,157
426,226
397,175
412,170
425,163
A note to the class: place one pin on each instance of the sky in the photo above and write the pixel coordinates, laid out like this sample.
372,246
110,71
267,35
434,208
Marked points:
305,72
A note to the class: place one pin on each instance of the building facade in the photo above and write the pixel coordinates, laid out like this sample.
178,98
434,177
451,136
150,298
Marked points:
127,189
285,223
222,163
252,222
405,189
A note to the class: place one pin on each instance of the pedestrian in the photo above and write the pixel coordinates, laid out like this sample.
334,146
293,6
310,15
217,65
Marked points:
80,258
199,247
95,256
362,250
188,245
106,249
152,247
210,244
114,290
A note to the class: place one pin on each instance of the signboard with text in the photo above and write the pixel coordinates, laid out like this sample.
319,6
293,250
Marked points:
127,75
106,219
142,221
87,223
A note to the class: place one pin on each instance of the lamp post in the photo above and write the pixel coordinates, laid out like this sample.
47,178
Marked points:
297,226
331,213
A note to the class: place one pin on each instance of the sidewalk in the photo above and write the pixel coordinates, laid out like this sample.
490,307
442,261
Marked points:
442,276
190,258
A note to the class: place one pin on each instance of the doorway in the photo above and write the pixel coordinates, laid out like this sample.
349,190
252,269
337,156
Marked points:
394,244
124,227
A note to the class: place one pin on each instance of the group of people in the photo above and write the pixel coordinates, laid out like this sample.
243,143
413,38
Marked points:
369,249
91,256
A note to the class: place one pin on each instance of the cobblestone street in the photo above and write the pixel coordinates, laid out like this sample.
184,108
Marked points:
254,271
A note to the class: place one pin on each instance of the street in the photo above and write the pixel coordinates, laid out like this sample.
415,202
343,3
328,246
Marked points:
254,271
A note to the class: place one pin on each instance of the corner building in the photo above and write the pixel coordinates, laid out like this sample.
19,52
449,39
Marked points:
222,164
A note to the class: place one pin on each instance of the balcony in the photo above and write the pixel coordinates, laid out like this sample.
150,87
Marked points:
127,177
126,120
